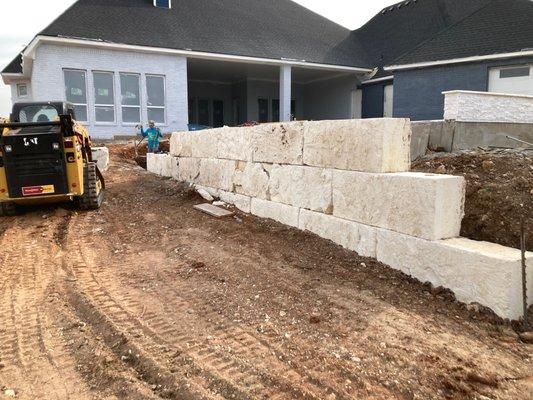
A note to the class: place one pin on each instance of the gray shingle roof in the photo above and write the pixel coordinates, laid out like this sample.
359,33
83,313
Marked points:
271,29
501,26
398,29
15,66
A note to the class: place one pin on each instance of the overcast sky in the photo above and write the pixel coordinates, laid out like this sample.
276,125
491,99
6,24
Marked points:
23,19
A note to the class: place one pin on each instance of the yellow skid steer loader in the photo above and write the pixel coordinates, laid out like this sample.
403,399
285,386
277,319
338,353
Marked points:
45,157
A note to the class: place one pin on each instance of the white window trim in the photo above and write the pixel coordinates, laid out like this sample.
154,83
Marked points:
95,105
164,108
129,106
18,91
86,105
508,67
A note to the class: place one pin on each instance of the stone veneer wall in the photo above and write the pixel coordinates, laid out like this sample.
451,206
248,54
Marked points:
348,181
467,106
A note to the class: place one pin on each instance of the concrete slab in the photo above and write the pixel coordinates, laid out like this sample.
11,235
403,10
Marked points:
481,272
280,143
214,211
369,145
423,205
283,213
350,235
300,186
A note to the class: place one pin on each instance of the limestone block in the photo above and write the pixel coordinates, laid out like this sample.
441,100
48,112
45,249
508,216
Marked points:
166,165
243,203
251,179
235,143
306,187
174,168
213,192
101,157
201,144
217,173
368,145
481,272
423,205
188,169
283,213
280,143
180,144
350,235
153,163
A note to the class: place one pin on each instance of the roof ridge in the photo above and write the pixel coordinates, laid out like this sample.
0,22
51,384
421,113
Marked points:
442,31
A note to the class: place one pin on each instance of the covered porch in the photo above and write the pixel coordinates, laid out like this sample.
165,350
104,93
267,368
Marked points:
227,93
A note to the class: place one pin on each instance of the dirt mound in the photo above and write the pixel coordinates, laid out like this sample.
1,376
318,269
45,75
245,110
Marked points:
499,192
127,151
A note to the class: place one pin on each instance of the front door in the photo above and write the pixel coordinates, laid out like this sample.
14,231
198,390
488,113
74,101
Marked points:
218,113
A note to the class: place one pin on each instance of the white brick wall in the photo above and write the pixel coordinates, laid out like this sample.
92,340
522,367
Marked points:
469,106
48,82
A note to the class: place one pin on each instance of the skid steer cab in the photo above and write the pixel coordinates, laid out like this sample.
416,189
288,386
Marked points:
45,157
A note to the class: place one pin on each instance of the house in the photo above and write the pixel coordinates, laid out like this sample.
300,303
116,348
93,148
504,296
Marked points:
227,62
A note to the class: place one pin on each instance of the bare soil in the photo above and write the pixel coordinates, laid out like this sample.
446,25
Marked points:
148,298
499,192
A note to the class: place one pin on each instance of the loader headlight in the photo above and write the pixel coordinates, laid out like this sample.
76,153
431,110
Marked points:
55,146
8,148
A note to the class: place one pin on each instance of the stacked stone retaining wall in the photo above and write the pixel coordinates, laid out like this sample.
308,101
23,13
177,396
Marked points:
349,182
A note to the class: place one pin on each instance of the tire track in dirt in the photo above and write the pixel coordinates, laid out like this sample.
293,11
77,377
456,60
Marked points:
27,351
296,375
240,369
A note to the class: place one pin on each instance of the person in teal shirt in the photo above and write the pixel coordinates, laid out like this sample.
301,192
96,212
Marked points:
153,135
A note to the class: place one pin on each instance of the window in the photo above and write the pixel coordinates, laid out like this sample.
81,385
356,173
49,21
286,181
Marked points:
76,92
104,97
22,90
514,72
131,98
38,114
155,89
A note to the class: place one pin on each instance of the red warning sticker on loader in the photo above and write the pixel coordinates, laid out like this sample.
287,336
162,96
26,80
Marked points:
38,190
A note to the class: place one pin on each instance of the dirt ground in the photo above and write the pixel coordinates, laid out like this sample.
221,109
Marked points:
499,193
150,299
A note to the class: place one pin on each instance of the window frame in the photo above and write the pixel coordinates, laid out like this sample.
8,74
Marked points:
140,106
96,105
514,67
86,104
164,107
19,85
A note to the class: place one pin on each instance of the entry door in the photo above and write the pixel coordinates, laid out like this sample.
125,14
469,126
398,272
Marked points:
388,95
218,113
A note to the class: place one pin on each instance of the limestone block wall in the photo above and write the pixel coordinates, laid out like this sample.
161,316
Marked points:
470,106
349,182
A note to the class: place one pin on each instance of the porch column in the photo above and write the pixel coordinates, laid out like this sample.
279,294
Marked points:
285,96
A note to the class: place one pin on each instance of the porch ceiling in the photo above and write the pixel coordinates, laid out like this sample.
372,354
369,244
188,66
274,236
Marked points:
231,72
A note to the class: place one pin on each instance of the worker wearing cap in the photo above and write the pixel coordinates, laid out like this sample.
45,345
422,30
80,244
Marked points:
153,134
